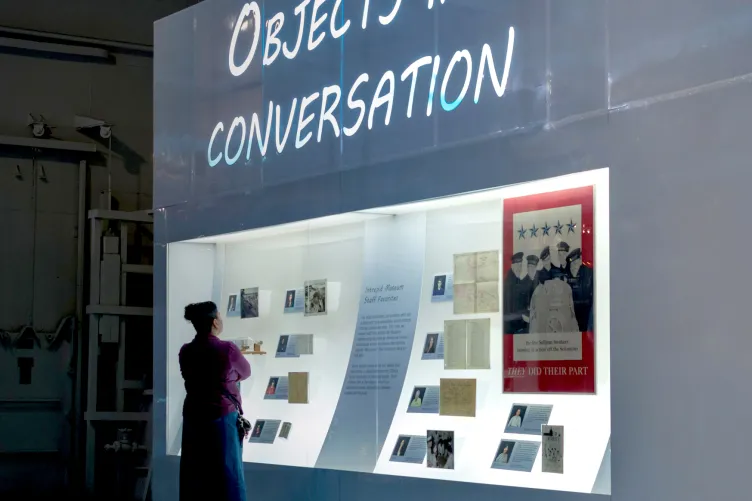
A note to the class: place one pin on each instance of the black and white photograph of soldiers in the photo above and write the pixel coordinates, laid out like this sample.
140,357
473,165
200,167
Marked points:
315,297
249,303
548,287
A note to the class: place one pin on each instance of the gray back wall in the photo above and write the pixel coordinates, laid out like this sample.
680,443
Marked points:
660,93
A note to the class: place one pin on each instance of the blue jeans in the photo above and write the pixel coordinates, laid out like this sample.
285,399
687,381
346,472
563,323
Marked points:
211,462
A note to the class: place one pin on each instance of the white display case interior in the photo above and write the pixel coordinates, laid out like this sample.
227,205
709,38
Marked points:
280,259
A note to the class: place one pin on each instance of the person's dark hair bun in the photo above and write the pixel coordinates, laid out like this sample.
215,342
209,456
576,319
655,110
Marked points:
201,315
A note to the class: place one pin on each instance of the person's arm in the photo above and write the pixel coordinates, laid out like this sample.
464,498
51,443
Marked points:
238,363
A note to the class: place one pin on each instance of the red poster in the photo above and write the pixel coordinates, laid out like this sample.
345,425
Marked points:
548,293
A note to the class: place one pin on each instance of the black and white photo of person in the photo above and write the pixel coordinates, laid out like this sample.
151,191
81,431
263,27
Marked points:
431,342
282,345
516,297
290,301
517,415
546,270
401,446
232,303
439,285
249,303
315,297
580,279
440,446
504,452
562,270
529,283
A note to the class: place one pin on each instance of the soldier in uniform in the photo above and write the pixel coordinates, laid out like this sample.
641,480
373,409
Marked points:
580,279
515,297
546,271
528,285
562,270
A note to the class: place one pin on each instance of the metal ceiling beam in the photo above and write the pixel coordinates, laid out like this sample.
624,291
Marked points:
98,43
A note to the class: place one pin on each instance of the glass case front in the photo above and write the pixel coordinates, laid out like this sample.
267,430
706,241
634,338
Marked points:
463,338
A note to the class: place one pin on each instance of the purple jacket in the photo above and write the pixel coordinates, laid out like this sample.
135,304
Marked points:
211,367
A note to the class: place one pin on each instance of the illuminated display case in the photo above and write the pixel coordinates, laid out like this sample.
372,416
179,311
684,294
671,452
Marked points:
374,375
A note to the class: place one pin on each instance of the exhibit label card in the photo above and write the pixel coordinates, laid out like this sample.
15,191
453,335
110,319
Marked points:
433,348
443,288
294,301
424,400
277,388
409,449
457,397
393,255
528,419
552,441
264,431
285,431
515,455
294,345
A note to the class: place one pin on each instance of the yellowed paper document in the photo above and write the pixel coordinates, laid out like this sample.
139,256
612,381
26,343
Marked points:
457,397
298,387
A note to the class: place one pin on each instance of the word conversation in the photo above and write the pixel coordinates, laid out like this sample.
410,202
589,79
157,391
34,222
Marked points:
312,114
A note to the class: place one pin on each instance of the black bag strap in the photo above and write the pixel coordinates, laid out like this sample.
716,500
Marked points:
233,400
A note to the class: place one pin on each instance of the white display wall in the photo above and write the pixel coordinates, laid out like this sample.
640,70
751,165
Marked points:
279,259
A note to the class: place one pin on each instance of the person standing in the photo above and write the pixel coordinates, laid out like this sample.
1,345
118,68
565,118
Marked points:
580,279
211,456
561,271
515,297
546,271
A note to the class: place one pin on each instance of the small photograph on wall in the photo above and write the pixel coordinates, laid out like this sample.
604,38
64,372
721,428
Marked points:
432,341
433,347
315,298
440,449
249,303
233,306
548,306
504,452
416,401
290,299
401,446
258,429
442,288
294,301
282,344
424,400
271,388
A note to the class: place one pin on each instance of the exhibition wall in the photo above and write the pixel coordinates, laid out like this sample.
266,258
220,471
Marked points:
656,101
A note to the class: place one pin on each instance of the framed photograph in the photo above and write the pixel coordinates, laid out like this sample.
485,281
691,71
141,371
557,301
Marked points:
233,306
548,268
249,303
315,298
440,449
